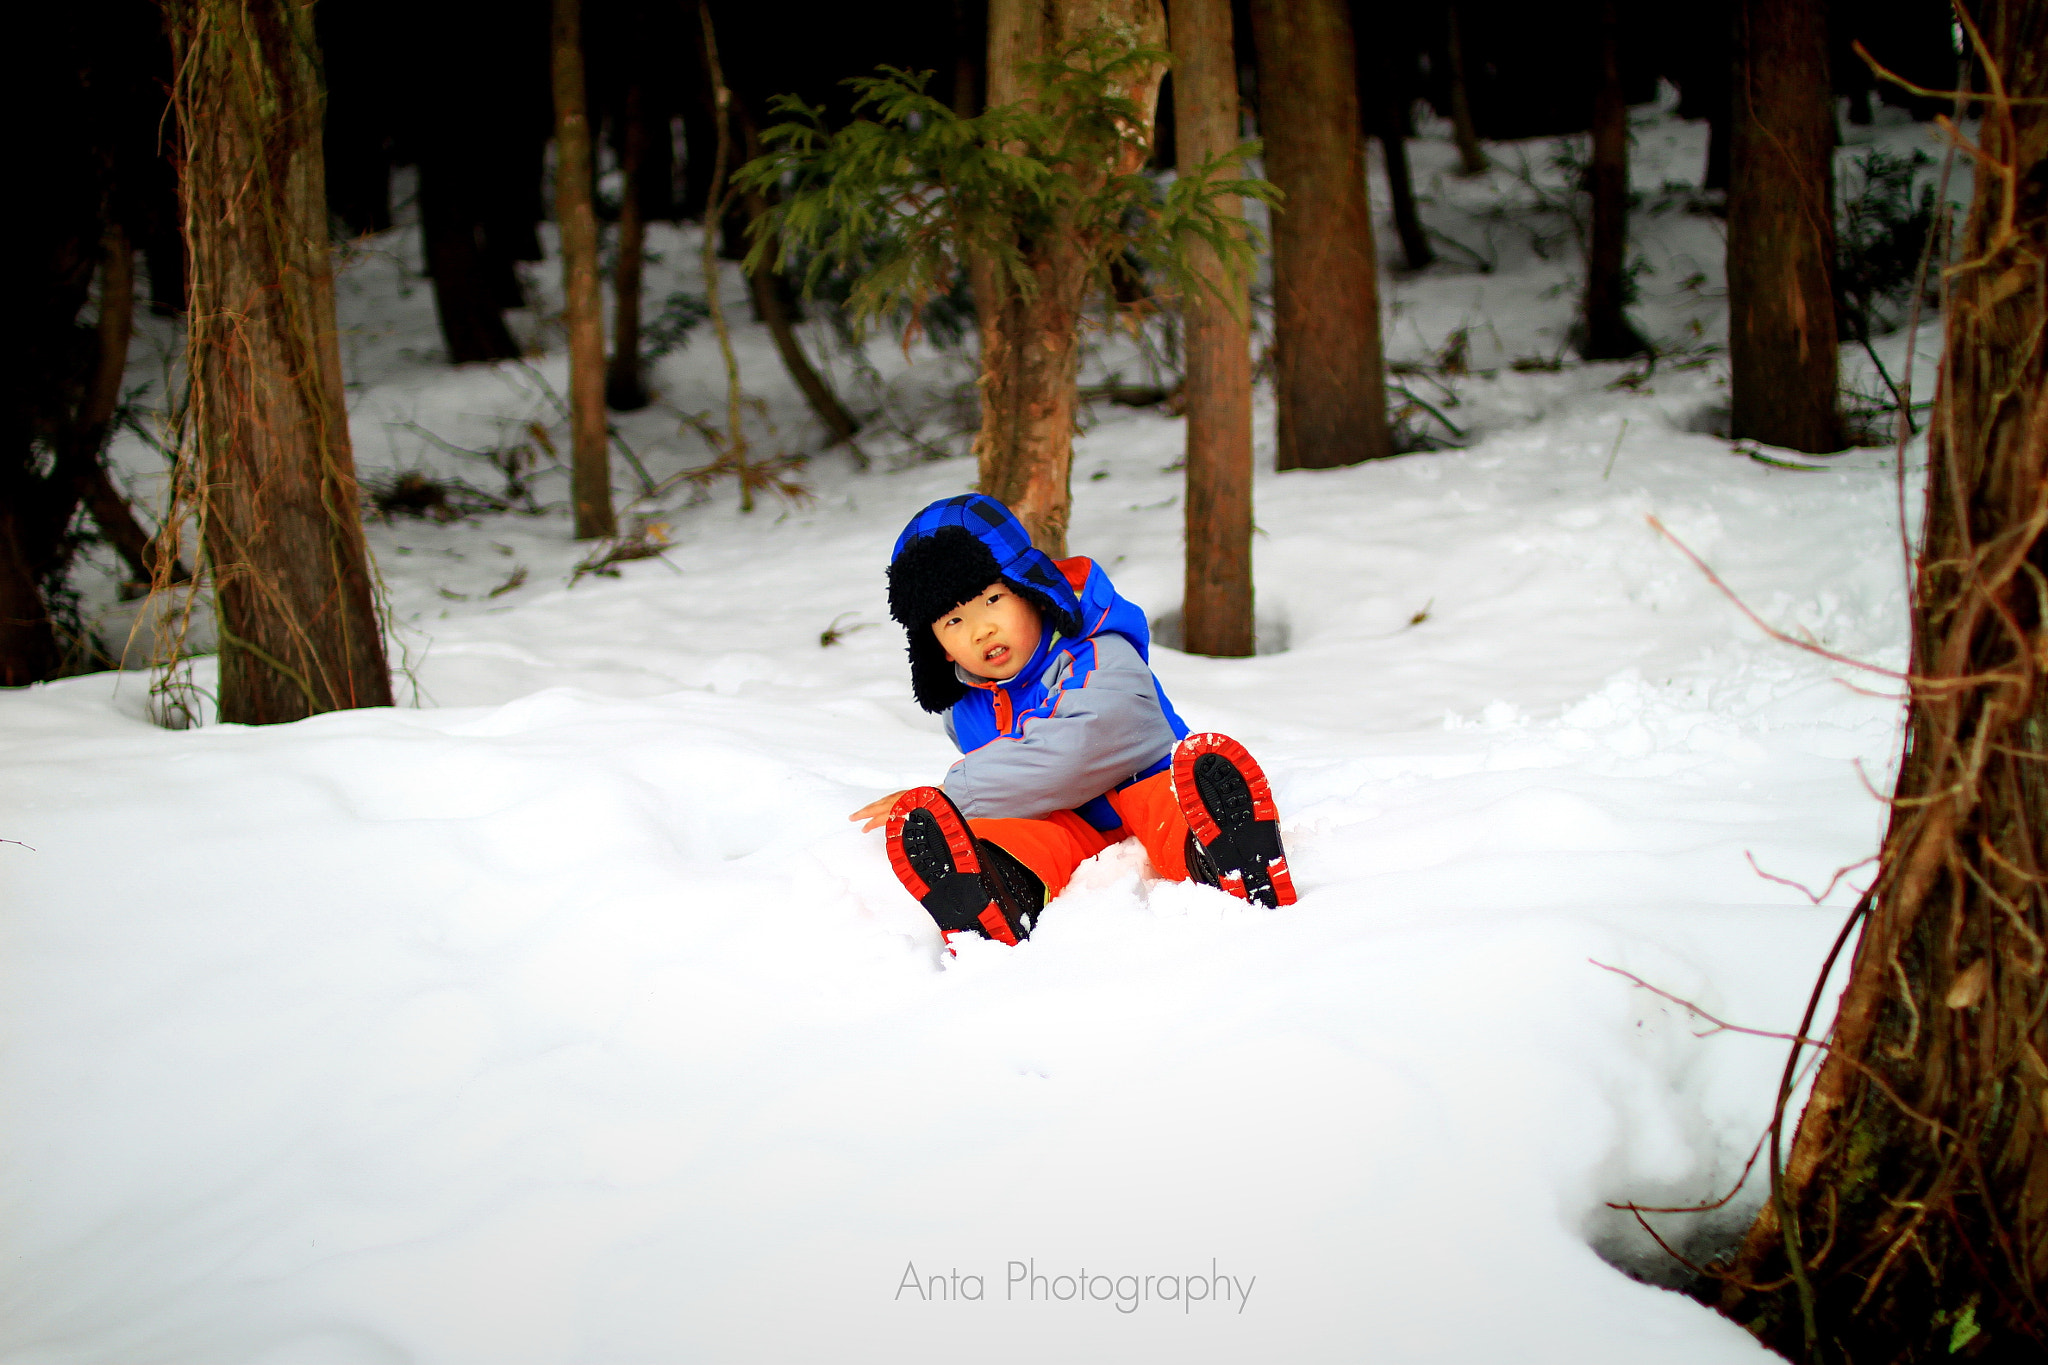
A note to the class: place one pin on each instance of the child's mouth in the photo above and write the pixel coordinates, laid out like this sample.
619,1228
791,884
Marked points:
996,655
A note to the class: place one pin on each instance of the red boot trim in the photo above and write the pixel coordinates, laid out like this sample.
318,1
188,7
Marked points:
959,841
1190,800
1283,881
998,928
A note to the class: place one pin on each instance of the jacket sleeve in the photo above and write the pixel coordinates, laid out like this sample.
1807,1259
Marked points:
1100,723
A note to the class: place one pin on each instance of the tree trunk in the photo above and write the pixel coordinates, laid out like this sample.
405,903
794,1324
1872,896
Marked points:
623,386
1471,159
1719,133
969,45
1415,248
1216,607
700,117
772,297
28,646
1387,95
1326,314
583,302
1029,362
1911,1222
1605,330
1030,346
1781,235
87,437
466,298
269,465
767,287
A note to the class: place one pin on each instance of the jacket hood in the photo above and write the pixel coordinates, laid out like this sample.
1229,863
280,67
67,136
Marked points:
946,553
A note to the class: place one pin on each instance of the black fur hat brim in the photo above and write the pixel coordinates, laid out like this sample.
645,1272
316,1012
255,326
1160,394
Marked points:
933,575
936,573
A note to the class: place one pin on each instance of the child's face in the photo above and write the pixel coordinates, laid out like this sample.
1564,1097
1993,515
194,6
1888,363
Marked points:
993,635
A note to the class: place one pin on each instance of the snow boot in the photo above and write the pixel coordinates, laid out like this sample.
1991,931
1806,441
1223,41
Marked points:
1233,826
967,885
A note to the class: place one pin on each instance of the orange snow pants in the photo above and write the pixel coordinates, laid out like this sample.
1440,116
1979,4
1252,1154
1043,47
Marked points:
1054,845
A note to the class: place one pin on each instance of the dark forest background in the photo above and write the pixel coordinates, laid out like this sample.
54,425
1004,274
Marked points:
462,93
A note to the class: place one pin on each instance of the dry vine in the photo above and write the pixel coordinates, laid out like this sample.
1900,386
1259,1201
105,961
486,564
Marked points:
1909,1220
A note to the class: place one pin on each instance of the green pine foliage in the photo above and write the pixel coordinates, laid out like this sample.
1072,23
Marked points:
903,197
1881,233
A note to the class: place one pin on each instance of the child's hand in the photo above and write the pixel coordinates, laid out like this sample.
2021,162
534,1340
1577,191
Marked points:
876,813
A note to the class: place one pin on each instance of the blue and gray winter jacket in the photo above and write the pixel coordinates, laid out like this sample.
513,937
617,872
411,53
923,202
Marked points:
1082,718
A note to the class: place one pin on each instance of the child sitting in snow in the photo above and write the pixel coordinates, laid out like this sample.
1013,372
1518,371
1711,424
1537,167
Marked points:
1067,743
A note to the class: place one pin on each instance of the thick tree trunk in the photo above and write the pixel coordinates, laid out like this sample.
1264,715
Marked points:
1029,357
1781,235
583,302
1030,347
1216,607
623,387
1911,1223
1326,315
1471,159
1605,330
269,465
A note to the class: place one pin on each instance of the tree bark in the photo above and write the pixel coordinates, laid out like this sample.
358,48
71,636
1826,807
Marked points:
1604,325
623,387
1782,349
1471,158
1329,377
583,302
269,465
1216,606
1024,450
1911,1221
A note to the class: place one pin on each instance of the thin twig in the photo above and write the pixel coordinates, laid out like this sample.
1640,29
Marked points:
1800,887
1719,1025
1614,453
1759,621
1456,431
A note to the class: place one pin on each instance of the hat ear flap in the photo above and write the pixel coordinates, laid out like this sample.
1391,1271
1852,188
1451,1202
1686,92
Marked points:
932,679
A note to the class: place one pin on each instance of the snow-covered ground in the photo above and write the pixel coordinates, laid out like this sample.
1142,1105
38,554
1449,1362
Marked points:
559,1015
